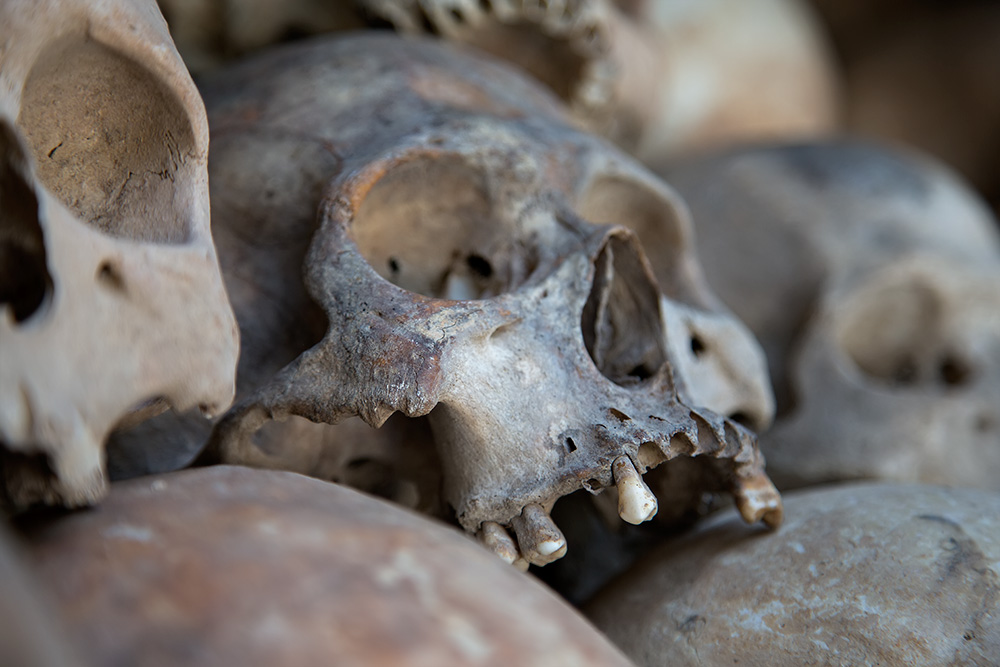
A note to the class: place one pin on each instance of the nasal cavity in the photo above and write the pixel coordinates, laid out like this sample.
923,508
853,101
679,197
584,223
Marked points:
24,277
621,323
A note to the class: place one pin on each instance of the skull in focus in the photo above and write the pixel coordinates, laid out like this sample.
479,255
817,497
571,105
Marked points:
112,305
872,279
478,261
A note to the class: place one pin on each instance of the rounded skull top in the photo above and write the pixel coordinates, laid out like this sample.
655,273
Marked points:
112,305
476,256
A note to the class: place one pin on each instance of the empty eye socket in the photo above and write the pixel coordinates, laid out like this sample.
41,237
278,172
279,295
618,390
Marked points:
109,141
893,333
428,227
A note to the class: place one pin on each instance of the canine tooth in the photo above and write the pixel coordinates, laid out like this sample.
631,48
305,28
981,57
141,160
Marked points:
636,503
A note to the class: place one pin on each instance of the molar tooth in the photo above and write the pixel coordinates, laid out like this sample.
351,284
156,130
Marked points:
757,499
636,503
541,542
494,537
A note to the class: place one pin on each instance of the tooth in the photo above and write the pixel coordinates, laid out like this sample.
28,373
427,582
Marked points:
541,542
493,536
757,499
636,503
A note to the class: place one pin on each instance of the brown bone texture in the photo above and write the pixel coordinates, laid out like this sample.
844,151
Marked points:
463,278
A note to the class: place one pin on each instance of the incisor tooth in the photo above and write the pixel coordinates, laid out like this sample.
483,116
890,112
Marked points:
636,503
493,536
540,541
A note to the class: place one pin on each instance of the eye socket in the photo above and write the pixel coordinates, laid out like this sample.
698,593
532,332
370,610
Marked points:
448,247
894,334
109,140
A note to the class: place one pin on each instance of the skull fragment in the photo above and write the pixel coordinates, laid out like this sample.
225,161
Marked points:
462,278
111,300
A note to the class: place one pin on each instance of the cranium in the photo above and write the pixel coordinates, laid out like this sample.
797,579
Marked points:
460,273
860,574
661,77
873,281
111,292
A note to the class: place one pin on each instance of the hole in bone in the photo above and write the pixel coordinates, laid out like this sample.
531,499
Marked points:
649,456
593,485
619,415
743,419
620,321
894,333
953,371
456,15
444,247
654,219
697,345
570,445
110,276
109,141
25,281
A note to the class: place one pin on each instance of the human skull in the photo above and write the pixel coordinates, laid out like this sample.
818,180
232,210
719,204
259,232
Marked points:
860,574
459,273
661,77
112,302
231,566
872,279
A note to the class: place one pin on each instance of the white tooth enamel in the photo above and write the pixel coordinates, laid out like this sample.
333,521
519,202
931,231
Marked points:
538,538
549,547
636,503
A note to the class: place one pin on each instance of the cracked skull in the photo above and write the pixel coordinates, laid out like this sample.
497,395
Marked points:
469,270
872,279
111,300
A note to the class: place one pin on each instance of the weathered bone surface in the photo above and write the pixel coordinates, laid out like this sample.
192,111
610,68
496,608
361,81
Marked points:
872,279
661,77
860,574
232,566
461,271
111,301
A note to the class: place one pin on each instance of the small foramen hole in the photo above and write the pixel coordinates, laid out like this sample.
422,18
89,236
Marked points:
570,445
953,372
393,265
110,276
480,265
456,16
741,418
697,345
619,415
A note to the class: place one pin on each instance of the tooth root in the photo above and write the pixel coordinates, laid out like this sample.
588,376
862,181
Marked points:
758,500
636,503
493,536
541,542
